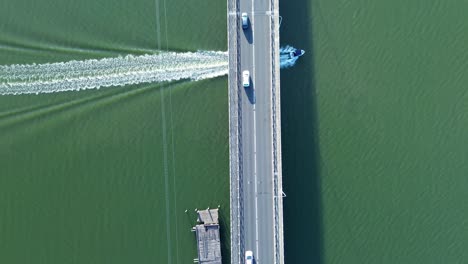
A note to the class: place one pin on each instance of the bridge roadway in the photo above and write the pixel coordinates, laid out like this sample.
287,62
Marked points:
255,136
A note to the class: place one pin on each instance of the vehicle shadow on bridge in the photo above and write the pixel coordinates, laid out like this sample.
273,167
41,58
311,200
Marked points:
248,34
250,92
303,216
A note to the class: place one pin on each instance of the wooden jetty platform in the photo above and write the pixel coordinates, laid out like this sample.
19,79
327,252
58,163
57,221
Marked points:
208,241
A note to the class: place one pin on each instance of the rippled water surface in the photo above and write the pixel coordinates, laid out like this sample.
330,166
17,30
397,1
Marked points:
375,117
105,176
374,131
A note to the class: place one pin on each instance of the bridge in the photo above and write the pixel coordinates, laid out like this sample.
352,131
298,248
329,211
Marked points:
255,133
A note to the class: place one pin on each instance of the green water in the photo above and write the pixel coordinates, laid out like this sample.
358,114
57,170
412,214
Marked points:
374,129
105,176
374,120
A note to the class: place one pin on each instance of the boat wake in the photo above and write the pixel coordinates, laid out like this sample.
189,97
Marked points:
93,74
288,56
119,71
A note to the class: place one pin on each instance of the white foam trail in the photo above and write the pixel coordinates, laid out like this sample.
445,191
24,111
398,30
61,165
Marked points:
93,74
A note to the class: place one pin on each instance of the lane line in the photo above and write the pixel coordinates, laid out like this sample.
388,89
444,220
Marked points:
255,130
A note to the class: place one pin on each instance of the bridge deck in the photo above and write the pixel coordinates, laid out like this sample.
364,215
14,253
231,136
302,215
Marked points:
255,133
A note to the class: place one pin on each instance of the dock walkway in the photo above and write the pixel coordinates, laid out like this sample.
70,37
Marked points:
208,241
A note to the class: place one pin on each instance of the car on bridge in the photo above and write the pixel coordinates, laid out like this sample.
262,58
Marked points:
249,257
245,21
246,79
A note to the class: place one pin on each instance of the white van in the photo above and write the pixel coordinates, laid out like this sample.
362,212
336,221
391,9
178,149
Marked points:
246,78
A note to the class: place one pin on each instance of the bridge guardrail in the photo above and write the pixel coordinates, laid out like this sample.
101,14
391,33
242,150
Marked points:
276,112
235,135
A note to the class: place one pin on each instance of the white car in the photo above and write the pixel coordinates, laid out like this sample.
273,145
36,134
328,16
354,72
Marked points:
246,78
245,21
249,257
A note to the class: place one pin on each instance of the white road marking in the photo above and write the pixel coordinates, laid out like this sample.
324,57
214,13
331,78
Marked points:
254,128
264,13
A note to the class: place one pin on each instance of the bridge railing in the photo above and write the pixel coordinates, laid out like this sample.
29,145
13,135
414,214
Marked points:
235,119
276,115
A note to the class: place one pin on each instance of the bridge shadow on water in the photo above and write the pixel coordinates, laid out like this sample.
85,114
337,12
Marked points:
303,227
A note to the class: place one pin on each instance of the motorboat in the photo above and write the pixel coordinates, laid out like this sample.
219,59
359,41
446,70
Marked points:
296,53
